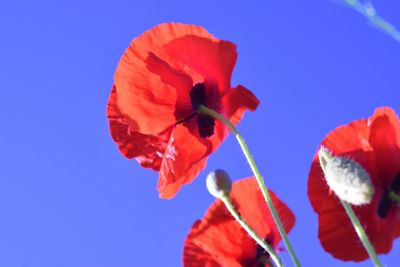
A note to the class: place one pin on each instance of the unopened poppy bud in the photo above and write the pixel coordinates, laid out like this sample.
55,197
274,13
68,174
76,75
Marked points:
218,183
348,179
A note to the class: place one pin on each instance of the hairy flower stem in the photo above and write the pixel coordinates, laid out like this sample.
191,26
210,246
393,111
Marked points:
361,233
368,10
228,204
324,158
204,110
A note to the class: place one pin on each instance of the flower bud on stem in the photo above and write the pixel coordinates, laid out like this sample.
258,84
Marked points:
352,184
218,183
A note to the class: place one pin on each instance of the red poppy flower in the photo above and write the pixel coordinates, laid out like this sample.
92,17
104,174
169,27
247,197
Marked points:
375,144
218,240
161,80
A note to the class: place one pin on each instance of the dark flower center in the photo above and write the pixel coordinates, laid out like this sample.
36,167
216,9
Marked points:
262,256
386,202
198,95
205,123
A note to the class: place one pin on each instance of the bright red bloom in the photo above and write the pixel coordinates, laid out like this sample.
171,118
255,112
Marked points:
218,240
375,144
162,78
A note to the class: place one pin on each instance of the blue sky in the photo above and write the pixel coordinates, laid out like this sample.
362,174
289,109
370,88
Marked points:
69,198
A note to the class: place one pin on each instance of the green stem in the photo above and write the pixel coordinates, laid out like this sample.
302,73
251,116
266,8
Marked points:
394,197
361,233
228,204
368,10
204,110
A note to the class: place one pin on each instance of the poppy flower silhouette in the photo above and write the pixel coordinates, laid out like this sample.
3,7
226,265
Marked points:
218,240
161,80
375,144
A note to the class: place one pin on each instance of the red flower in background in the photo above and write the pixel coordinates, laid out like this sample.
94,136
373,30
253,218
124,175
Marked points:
161,80
218,240
375,144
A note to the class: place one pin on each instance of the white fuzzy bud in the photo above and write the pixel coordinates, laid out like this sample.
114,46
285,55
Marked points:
218,183
348,179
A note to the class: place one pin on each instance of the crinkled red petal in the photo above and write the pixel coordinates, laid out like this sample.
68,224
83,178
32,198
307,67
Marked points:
338,237
260,218
157,71
211,58
385,140
185,156
196,256
237,101
219,238
147,149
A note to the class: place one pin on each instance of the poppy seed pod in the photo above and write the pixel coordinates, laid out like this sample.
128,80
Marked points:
218,183
348,179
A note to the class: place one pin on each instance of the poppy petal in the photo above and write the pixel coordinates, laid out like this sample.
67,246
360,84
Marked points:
336,233
338,237
154,87
196,255
147,149
185,156
237,101
219,238
149,102
246,194
384,138
215,63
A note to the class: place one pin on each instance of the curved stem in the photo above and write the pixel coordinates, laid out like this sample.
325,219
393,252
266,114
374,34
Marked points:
204,110
361,233
228,204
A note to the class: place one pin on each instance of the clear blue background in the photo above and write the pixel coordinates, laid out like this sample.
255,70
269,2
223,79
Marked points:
67,196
